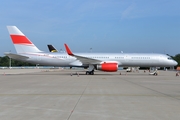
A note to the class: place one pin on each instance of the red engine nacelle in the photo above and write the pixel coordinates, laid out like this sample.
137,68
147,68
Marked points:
108,67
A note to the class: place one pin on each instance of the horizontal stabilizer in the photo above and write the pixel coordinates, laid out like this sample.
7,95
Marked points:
15,56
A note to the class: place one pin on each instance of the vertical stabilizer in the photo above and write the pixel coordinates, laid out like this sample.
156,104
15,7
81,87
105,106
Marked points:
21,43
52,48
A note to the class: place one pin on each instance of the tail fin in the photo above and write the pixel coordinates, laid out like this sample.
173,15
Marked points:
52,48
21,43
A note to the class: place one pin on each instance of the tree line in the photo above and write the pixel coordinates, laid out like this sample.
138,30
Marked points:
177,58
5,61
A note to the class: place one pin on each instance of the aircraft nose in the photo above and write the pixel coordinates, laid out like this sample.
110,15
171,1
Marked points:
174,63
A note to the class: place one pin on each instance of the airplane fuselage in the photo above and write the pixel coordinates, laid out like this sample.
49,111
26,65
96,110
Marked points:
123,59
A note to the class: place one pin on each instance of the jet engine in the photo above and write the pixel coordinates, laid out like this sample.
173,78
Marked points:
108,67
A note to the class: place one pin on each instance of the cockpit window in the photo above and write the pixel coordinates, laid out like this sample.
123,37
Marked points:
169,58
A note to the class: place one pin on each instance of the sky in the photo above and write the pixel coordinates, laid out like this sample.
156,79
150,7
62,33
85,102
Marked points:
131,26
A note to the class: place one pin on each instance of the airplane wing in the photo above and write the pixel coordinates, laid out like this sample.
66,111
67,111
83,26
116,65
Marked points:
84,60
16,56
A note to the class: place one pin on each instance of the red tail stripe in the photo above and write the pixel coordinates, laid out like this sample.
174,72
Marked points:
18,39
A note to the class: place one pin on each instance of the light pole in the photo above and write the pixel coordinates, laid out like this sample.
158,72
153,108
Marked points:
10,61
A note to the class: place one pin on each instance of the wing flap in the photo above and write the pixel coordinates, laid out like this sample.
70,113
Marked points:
86,60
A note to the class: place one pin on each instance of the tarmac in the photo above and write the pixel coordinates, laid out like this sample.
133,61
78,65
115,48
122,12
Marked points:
63,94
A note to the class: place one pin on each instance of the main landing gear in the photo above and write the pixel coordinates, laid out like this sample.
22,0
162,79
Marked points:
90,72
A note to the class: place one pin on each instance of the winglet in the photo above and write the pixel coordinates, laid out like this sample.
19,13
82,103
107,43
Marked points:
68,50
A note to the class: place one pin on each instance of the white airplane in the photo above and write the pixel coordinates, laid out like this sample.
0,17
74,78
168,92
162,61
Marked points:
109,62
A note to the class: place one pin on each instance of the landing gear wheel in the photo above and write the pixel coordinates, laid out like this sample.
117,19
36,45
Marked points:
90,72
155,74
